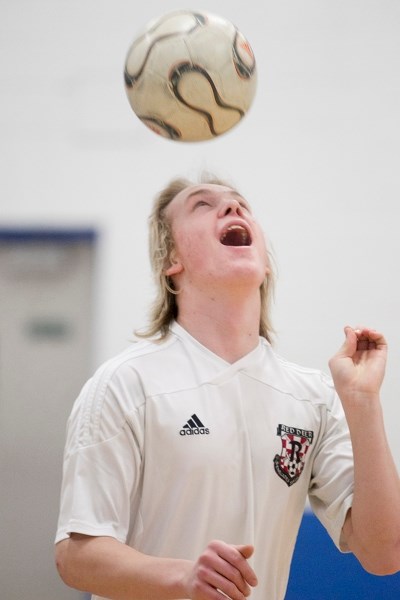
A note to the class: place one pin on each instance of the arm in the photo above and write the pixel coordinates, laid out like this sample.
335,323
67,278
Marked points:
372,526
106,567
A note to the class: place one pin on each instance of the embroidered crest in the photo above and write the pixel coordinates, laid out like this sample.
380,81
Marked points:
289,464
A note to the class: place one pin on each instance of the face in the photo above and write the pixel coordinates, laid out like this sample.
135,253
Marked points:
217,239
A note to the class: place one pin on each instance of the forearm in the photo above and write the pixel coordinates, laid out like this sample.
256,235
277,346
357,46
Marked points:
374,528
108,568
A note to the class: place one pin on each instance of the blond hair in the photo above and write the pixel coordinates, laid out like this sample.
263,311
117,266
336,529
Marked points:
165,309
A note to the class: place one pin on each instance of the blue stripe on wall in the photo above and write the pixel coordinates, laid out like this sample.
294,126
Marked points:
46,234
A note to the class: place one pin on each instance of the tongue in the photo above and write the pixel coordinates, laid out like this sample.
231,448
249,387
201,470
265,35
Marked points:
235,237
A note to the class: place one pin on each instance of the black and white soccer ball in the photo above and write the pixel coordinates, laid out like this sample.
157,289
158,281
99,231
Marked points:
190,76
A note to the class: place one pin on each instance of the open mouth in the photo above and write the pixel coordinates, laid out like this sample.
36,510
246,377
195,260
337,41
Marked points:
235,235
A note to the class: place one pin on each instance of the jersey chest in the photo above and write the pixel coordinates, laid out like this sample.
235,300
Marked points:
240,425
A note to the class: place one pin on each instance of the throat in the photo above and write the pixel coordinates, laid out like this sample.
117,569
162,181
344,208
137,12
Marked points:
228,332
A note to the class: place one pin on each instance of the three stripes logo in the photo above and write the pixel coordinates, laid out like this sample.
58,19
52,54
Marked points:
194,427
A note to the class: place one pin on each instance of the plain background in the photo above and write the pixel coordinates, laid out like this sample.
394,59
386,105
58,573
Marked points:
317,157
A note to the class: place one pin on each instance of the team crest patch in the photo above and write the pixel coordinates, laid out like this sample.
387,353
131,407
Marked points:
289,464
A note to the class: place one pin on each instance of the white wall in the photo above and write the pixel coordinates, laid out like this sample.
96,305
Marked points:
317,156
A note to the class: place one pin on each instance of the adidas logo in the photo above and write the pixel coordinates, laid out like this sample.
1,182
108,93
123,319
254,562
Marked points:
194,427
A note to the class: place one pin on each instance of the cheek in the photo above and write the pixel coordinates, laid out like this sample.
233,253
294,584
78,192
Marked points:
190,247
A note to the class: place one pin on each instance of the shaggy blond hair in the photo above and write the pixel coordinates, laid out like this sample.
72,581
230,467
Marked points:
161,243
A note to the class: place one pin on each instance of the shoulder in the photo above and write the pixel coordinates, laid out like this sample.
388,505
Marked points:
297,381
126,367
112,396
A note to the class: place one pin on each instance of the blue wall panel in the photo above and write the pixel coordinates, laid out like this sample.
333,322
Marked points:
320,572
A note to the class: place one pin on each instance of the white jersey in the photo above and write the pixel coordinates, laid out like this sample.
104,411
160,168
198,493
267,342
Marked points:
169,447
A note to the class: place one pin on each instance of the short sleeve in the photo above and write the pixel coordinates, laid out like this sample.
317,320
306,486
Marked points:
332,483
103,457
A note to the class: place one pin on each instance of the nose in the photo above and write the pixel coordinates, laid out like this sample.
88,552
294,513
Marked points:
230,206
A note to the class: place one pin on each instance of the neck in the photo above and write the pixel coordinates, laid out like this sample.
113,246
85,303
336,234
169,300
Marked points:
229,328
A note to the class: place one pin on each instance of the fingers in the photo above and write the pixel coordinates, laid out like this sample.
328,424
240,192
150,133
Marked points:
358,341
224,568
245,551
364,338
237,556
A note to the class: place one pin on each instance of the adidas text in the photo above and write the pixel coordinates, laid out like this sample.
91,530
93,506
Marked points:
195,431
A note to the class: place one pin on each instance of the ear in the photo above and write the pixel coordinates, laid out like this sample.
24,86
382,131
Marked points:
175,267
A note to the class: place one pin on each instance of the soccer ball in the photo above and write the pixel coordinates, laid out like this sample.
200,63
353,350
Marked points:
190,76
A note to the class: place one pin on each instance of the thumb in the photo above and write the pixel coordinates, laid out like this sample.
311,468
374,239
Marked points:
349,345
246,550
